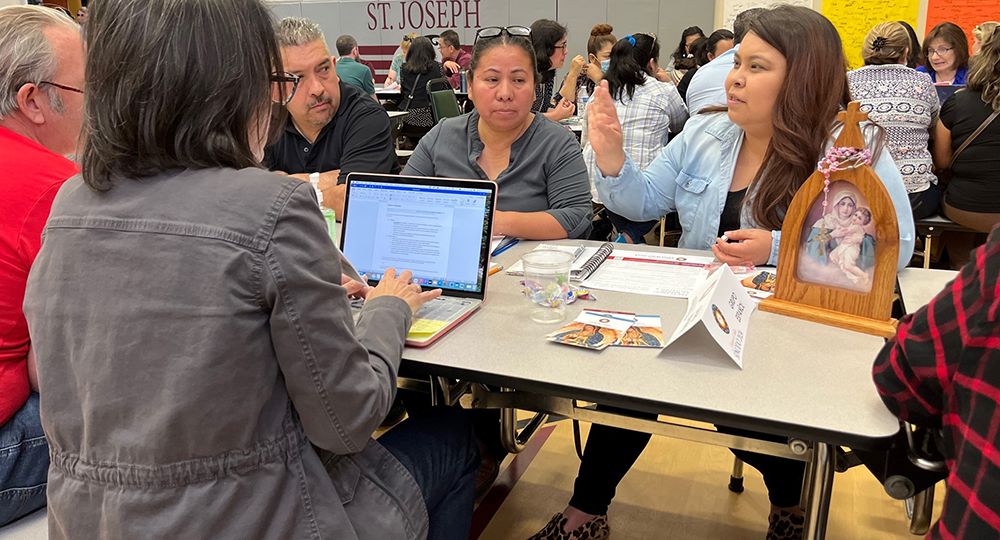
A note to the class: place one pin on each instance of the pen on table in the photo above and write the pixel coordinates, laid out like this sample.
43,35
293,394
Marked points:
495,269
503,247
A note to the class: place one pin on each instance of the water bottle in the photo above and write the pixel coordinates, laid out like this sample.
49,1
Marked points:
581,102
463,83
328,214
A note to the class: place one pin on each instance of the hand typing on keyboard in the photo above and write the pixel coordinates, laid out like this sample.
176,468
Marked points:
402,287
355,288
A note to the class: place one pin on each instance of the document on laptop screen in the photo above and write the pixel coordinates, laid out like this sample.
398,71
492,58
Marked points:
437,232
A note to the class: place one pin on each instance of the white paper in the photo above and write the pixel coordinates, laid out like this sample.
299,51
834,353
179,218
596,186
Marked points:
732,8
645,272
495,241
723,307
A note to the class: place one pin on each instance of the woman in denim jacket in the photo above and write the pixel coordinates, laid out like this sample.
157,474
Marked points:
730,177
204,376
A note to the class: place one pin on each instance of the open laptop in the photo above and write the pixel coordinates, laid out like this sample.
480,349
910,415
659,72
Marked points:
439,228
946,91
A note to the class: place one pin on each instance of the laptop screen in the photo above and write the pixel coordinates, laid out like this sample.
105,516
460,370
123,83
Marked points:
437,228
945,92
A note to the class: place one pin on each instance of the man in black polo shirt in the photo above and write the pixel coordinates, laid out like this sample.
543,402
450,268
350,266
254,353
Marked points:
333,128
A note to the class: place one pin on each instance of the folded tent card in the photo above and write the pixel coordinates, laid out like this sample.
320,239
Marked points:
723,307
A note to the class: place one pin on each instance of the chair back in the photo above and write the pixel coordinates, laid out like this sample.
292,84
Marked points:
444,104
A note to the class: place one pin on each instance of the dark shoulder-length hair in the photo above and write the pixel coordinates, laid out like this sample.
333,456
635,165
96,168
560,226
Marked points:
915,57
630,64
814,91
954,37
420,58
162,84
681,52
545,34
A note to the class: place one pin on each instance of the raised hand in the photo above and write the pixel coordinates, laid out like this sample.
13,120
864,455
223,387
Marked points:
605,131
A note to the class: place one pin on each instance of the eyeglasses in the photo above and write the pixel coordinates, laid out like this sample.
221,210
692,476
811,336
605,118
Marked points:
940,51
490,32
61,86
283,86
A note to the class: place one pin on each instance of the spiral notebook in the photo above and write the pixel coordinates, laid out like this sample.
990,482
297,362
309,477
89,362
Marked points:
586,259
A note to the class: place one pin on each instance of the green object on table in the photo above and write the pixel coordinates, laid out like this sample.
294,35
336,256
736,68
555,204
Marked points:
331,223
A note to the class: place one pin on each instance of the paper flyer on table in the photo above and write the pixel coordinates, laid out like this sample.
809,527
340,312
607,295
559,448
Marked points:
595,329
723,307
646,331
647,272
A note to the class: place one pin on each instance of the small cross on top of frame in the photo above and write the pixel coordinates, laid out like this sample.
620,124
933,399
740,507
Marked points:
851,118
852,115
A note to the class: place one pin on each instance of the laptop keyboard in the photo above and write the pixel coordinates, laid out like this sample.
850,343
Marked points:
442,308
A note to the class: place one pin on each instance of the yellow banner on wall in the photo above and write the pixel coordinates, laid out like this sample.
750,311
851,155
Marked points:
855,18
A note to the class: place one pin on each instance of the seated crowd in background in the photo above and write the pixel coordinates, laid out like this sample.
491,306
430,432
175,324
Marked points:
649,111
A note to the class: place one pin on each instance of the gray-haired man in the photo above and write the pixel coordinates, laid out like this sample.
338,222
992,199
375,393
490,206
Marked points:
41,107
333,128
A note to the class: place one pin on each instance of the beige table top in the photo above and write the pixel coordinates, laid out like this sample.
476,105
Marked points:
919,286
799,378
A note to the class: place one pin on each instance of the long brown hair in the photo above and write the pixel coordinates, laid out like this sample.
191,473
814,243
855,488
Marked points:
984,73
815,89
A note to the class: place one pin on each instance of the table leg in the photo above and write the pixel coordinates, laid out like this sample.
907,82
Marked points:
820,475
927,251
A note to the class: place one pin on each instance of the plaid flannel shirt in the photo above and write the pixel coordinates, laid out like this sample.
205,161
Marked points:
943,370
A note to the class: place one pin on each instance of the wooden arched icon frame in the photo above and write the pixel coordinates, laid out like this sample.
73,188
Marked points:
868,312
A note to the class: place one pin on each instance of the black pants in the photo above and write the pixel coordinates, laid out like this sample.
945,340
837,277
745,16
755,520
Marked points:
611,452
926,203
485,422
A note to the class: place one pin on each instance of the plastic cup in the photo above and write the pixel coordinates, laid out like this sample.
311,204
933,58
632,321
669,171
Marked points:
546,283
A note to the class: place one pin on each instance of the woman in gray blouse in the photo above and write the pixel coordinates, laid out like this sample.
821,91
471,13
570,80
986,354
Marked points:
203,374
544,190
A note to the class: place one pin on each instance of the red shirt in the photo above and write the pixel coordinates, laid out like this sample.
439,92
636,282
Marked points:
463,59
30,176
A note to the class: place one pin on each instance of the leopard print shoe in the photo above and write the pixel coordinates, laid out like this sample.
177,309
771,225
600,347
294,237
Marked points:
785,525
596,528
